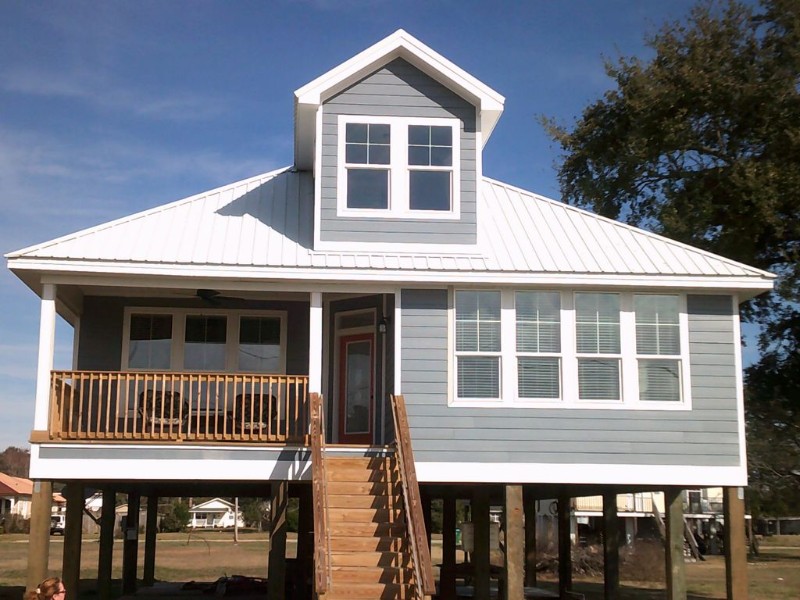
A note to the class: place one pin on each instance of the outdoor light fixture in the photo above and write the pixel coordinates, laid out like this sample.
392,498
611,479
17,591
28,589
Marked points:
382,325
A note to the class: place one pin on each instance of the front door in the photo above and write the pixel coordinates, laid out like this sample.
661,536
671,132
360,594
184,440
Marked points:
356,388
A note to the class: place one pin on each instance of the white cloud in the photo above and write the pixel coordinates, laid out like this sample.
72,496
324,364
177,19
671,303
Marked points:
101,91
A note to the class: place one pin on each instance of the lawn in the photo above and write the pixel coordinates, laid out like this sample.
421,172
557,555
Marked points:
206,556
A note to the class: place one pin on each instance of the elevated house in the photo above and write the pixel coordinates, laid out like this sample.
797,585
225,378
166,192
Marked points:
379,325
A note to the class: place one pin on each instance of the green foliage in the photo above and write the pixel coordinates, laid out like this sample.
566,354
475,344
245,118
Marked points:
255,512
15,461
176,517
293,514
702,144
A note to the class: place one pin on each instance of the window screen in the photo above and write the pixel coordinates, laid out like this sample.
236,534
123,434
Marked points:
657,335
204,348
478,344
260,344
150,342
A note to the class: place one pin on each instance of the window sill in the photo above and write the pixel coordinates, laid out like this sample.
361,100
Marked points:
581,405
388,214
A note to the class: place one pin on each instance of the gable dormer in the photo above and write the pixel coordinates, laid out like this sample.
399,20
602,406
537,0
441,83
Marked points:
394,138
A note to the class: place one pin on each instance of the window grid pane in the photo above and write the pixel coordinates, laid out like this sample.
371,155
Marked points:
657,325
539,377
538,321
478,377
659,380
597,323
598,379
367,143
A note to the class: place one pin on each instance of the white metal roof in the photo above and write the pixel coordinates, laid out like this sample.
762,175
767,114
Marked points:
262,228
399,44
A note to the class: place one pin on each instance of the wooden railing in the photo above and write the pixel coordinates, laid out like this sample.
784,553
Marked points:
167,406
322,569
415,521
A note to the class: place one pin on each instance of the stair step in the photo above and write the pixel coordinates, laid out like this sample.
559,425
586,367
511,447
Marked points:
355,529
373,591
362,515
366,544
354,574
342,501
355,488
366,559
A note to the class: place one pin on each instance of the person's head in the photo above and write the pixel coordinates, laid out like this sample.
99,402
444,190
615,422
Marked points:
51,588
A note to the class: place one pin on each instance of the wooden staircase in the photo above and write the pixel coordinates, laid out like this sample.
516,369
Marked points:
369,555
369,531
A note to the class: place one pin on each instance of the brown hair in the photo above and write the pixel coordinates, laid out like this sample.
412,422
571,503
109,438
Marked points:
46,590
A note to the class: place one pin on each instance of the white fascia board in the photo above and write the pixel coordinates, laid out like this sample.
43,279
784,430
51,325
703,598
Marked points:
241,468
752,285
399,44
581,474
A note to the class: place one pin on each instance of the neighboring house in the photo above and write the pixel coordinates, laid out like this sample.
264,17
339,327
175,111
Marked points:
535,344
15,496
214,513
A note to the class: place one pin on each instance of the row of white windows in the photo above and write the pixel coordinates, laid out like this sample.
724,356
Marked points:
589,348
393,166
164,339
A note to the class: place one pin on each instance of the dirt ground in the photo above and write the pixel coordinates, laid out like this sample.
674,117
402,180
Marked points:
207,556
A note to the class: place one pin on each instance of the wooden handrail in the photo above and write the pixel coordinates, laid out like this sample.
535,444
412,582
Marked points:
322,569
172,406
421,557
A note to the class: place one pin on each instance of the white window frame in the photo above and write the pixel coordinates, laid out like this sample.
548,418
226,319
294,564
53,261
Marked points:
179,330
503,361
399,169
629,371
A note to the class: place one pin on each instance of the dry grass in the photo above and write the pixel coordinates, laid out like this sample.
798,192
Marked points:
206,556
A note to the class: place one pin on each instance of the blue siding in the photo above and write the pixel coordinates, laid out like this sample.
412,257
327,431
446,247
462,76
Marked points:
398,90
705,436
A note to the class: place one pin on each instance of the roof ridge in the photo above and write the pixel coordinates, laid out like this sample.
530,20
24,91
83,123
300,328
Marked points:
629,227
142,214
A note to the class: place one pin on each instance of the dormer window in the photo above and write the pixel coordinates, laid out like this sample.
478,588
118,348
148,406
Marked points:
398,167
367,147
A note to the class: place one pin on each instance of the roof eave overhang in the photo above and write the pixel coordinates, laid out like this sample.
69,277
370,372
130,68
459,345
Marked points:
400,44
35,272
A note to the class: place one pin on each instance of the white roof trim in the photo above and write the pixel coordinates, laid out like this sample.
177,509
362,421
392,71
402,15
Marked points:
383,276
399,44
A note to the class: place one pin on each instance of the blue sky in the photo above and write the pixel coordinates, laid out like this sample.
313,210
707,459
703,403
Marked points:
108,108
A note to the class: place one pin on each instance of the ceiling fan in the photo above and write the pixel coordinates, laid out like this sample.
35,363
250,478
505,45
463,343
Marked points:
213,297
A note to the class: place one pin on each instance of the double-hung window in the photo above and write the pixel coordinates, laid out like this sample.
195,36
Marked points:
367,152
398,167
658,347
478,344
597,340
430,167
538,332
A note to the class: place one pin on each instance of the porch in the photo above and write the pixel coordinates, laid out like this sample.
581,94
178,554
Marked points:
128,406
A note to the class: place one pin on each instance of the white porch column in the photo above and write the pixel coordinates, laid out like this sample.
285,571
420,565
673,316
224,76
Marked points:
315,344
47,341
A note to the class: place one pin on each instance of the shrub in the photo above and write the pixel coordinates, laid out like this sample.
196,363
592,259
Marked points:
176,517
